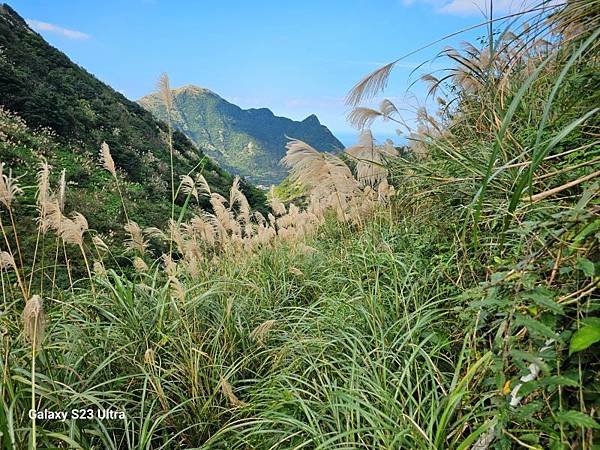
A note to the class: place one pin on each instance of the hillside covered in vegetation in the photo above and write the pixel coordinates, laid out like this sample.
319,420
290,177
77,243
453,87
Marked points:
53,108
442,297
246,142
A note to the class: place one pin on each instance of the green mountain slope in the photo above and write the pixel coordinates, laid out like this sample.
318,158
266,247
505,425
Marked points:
47,90
246,142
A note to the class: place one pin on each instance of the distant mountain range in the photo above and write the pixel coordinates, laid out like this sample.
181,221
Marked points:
246,142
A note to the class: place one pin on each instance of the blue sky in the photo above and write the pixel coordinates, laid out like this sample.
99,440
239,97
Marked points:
296,58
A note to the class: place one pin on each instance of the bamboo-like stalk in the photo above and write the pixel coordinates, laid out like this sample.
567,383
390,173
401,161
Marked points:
542,195
16,269
165,92
33,419
87,266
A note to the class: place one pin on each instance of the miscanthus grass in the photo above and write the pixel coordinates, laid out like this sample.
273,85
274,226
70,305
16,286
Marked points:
442,295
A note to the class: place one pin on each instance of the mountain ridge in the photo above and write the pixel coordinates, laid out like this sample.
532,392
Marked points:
248,142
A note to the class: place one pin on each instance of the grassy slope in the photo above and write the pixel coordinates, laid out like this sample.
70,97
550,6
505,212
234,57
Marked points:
90,190
374,344
357,333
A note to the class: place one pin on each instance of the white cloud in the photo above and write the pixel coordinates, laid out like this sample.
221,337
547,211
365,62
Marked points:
478,7
468,7
51,28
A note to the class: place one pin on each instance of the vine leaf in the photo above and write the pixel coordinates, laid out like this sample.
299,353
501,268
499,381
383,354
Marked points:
587,335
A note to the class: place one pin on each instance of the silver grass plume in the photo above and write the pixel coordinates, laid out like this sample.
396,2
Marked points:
362,117
106,159
236,196
51,217
260,219
188,186
176,236
370,159
249,229
177,289
101,246
433,83
222,214
7,261
140,265
43,192
9,188
170,265
72,229
370,85
149,357
43,184
202,185
260,332
34,321
388,109
321,173
276,205
292,218
99,269
193,258
227,391
204,226
165,91
135,242
385,191
156,233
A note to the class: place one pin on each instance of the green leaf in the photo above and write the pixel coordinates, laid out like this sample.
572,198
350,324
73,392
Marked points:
558,380
583,234
588,194
530,438
470,439
528,387
584,337
586,266
528,410
577,419
535,327
592,322
530,358
544,297
64,438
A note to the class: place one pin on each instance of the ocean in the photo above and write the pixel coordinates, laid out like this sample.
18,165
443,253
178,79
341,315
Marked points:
349,138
